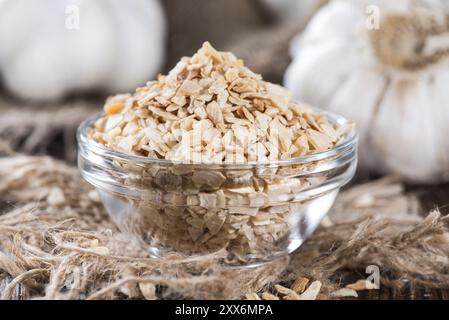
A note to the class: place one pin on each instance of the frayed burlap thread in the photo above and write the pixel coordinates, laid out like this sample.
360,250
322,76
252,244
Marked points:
65,247
43,129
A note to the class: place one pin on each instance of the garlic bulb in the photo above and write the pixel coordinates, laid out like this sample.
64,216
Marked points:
294,11
50,48
392,80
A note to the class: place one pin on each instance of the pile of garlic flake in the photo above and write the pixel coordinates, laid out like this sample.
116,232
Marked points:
212,109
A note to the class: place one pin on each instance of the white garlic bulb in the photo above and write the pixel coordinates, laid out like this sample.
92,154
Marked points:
49,48
392,80
294,11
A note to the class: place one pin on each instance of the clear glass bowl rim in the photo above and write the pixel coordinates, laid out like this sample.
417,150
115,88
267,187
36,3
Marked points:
87,143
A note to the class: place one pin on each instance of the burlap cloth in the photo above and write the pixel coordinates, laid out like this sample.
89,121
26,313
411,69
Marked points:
38,129
65,247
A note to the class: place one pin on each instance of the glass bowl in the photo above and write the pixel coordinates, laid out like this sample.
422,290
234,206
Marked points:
252,213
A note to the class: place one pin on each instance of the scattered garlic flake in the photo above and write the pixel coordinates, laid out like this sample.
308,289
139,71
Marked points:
56,197
365,201
362,284
344,293
252,296
300,285
311,292
269,296
148,290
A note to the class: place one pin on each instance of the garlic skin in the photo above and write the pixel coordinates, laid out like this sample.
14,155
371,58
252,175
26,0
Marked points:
118,45
392,81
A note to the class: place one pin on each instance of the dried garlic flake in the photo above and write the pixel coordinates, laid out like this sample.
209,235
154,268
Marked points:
215,90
